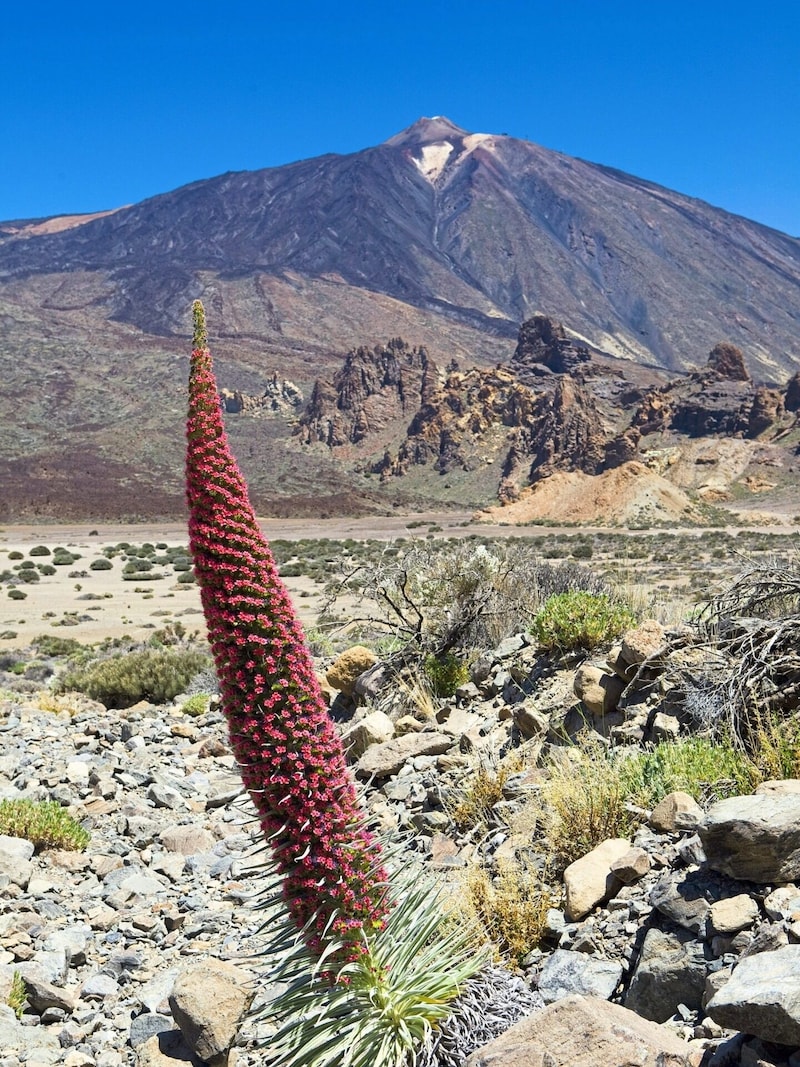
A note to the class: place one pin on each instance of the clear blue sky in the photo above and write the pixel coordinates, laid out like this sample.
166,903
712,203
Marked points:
106,103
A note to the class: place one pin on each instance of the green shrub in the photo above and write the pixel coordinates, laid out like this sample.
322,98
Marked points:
580,620
186,579
28,576
136,566
181,563
101,564
17,594
44,823
51,645
706,769
15,555
46,569
196,705
63,559
17,994
39,550
27,565
446,673
157,675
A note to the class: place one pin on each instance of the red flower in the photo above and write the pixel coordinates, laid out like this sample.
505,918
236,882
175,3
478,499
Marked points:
291,758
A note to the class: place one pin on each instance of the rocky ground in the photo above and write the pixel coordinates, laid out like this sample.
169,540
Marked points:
136,950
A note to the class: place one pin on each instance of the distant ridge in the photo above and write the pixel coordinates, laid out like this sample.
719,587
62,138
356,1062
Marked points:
446,238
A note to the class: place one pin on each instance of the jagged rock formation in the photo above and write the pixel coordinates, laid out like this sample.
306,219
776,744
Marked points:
557,407
721,399
373,387
280,397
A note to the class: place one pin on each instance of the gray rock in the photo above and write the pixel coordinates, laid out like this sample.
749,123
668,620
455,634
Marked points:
754,838
682,897
671,971
187,840
98,987
762,997
566,972
145,1026
379,761
207,1002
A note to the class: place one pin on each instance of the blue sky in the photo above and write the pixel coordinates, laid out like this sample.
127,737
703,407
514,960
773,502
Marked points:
105,103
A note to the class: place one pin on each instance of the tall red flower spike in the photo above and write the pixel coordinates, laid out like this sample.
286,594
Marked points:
291,758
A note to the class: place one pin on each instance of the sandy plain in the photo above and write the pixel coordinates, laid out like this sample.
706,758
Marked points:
94,605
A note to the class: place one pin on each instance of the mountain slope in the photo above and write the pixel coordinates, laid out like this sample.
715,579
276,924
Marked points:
442,237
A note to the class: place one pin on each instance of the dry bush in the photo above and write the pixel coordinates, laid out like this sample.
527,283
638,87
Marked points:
510,908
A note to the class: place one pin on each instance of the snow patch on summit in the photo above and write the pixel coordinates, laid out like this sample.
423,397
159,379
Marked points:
433,159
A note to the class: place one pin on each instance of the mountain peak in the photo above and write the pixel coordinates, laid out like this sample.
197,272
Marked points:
428,131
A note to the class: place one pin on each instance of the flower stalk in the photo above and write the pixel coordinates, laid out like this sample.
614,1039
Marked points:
291,759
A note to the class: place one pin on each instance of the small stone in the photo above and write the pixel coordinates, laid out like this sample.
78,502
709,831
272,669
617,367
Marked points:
733,914
145,1026
631,866
187,840
677,811
589,880
208,1001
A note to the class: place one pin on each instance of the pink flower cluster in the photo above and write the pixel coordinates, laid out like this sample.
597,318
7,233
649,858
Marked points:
291,758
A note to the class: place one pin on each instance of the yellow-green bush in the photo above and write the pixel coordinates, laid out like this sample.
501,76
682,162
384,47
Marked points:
45,824
156,675
580,620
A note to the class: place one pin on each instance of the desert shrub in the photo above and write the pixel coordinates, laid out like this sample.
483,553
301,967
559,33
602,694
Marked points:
136,566
705,768
17,994
17,594
580,620
511,908
157,675
15,555
774,751
446,673
28,576
473,803
181,563
39,550
583,802
464,595
186,579
63,559
51,645
101,564
46,569
27,565
196,705
44,823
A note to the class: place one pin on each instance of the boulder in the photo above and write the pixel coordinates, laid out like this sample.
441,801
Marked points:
347,668
632,866
598,691
642,642
671,971
677,811
754,838
762,997
380,761
733,914
373,729
207,1002
590,880
568,972
583,1032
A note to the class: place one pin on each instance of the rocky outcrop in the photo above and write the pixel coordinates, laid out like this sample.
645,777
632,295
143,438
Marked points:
543,346
280,397
374,387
